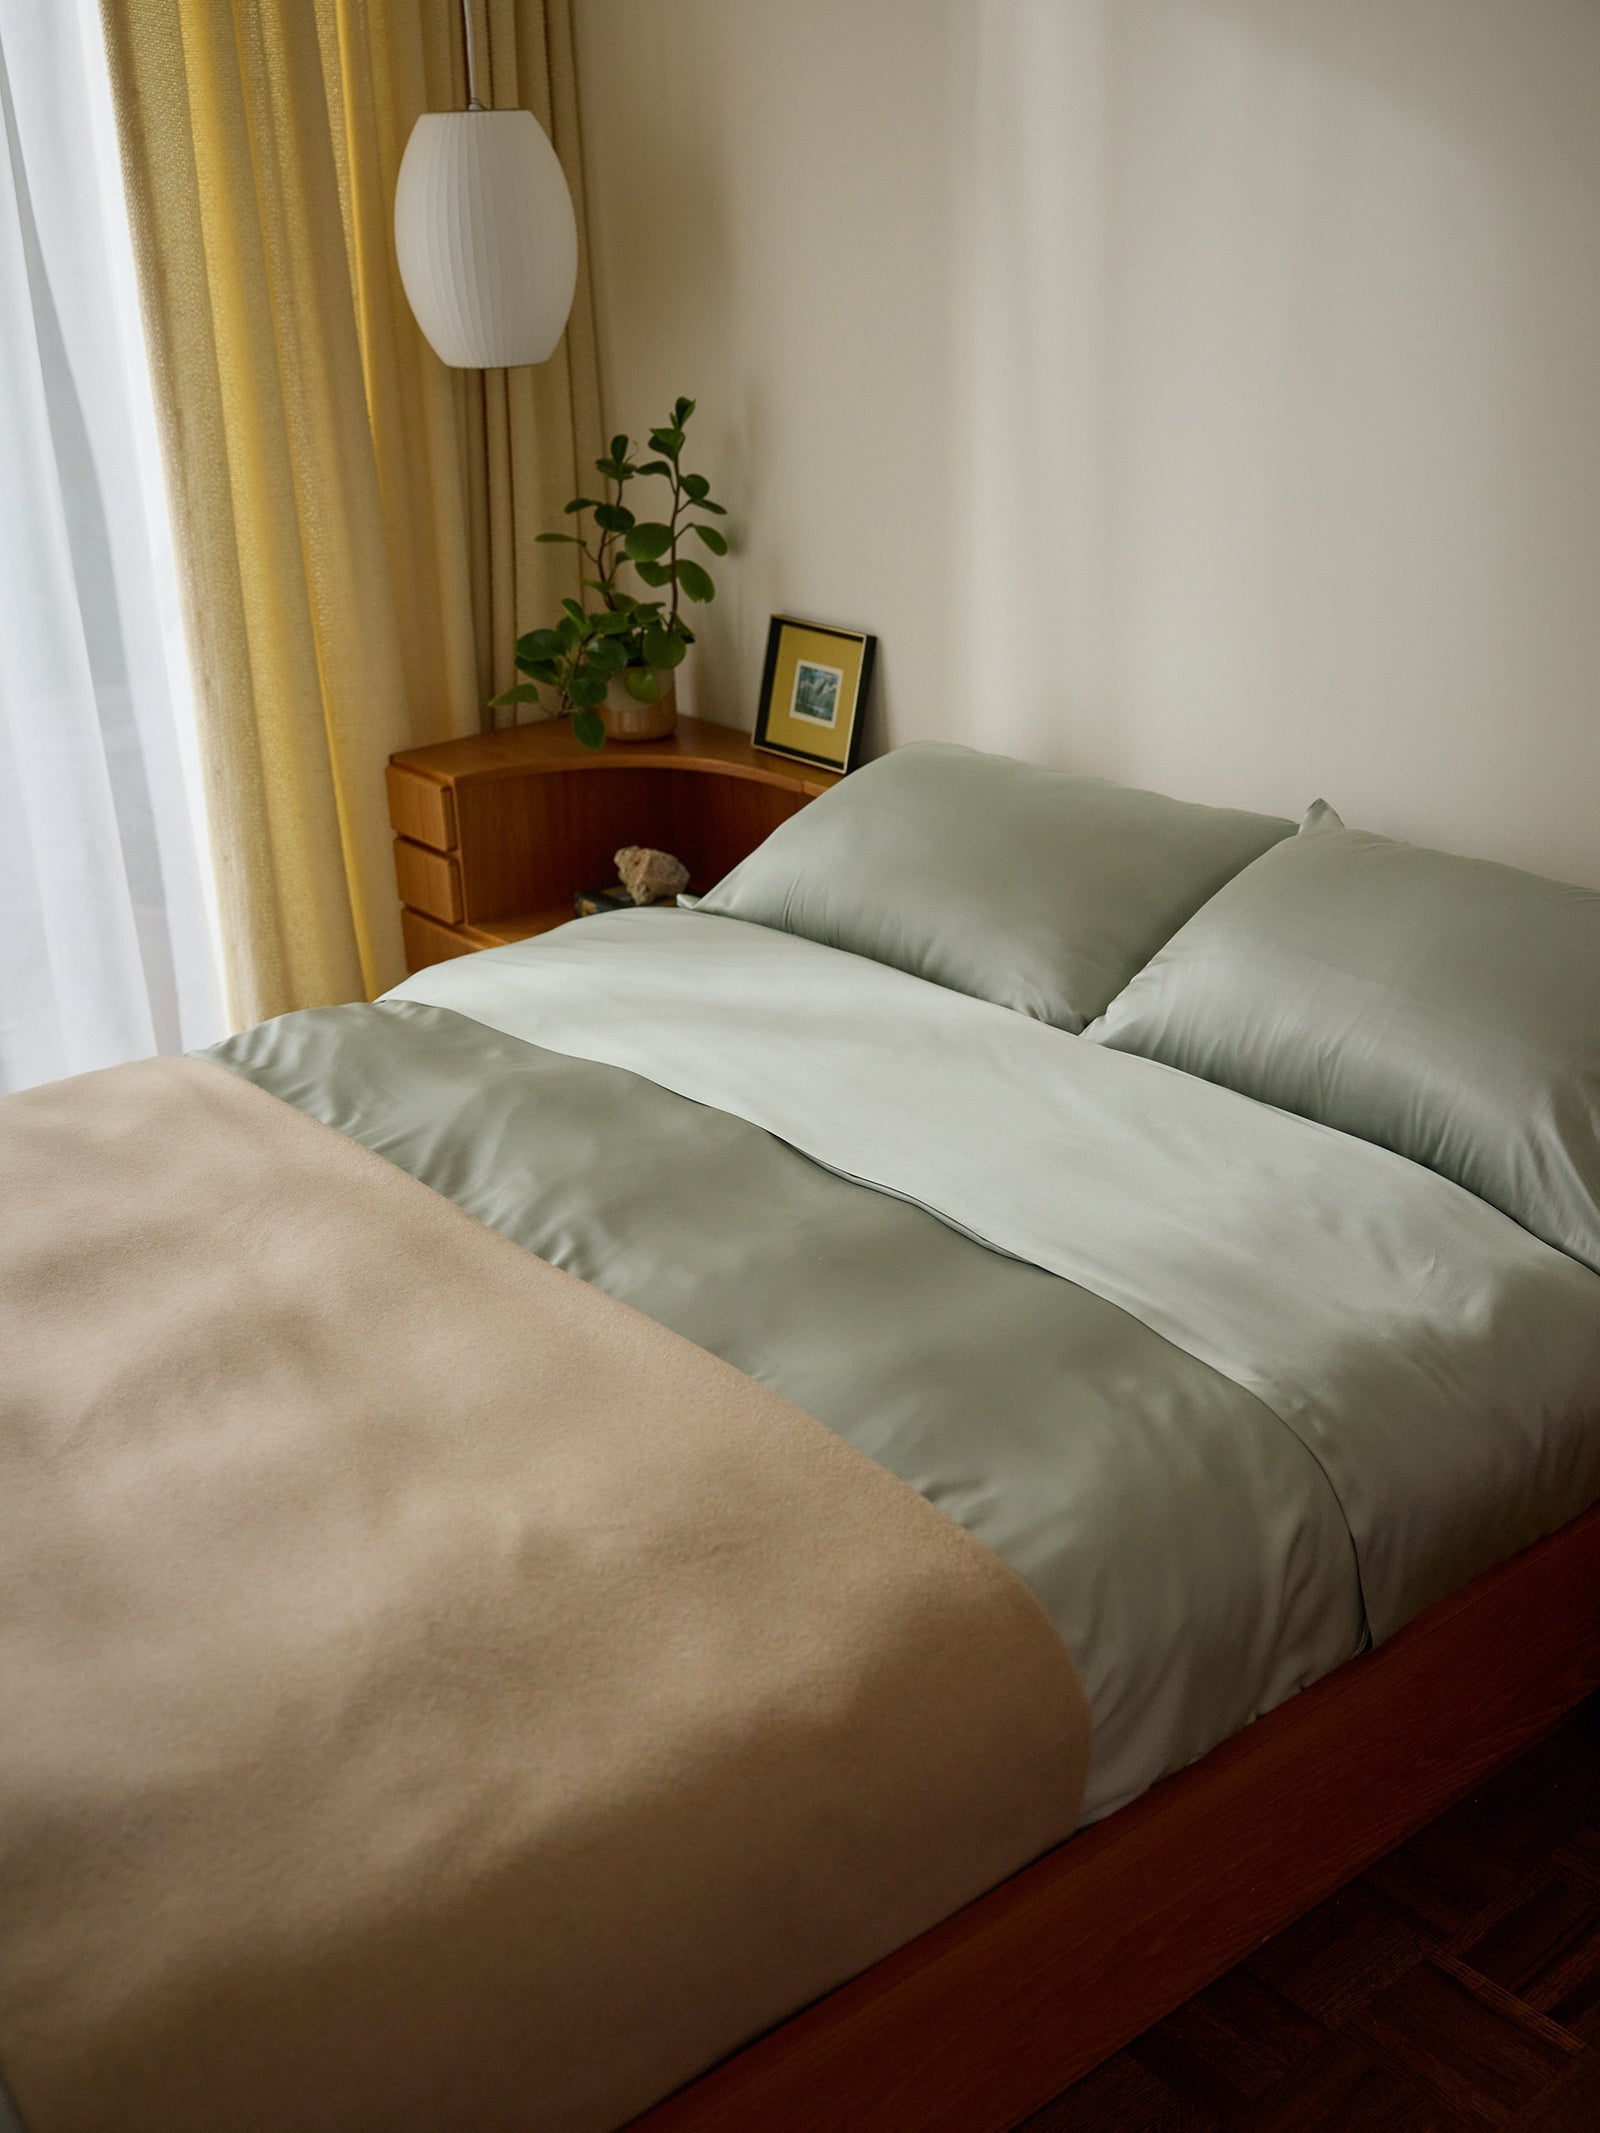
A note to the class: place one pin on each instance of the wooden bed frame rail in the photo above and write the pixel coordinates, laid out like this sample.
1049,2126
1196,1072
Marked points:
980,2022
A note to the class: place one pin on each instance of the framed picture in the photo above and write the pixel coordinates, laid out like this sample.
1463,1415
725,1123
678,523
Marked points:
813,692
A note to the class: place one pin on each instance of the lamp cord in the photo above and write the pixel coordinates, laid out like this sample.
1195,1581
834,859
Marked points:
472,57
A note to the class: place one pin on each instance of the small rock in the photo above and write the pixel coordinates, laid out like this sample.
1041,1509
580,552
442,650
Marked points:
648,876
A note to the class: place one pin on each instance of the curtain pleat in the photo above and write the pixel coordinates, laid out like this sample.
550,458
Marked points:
355,525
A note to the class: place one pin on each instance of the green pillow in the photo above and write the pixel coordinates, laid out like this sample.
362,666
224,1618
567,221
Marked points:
1036,890
1446,1008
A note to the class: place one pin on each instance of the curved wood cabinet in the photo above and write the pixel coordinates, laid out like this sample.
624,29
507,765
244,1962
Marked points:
495,835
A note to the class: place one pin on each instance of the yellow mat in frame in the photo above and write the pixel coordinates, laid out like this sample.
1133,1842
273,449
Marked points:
814,691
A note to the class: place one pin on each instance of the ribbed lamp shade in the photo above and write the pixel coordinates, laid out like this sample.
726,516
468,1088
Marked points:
487,239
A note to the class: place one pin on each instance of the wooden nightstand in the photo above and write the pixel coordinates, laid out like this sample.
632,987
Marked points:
495,835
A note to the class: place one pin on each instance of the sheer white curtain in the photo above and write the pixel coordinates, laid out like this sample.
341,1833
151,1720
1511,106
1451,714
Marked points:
106,936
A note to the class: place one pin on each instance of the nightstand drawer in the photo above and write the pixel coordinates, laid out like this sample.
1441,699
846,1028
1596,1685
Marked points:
429,881
427,943
421,809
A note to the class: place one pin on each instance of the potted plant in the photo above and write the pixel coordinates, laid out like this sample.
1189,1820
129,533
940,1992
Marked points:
611,660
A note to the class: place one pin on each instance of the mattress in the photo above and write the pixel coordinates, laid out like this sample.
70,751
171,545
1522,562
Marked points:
1234,1393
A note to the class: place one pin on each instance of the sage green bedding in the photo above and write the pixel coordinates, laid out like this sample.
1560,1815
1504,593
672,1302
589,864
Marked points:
1228,1388
1185,1544
1448,1008
1031,888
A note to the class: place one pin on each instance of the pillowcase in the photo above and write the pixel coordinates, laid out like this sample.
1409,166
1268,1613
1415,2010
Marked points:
1446,1008
1037,890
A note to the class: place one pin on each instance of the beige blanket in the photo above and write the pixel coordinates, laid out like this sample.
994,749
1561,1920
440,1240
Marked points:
431,1694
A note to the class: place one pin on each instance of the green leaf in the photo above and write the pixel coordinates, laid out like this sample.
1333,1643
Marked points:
608,654
704,503
568,632
696,582
668,442
612,625
539,644
681,411
586,689
576,612
579,503
657,466
546,670
588,729
615,518
696,488
654,573
648,541
523,693
663,648
641,684
715,541
619,446
571,537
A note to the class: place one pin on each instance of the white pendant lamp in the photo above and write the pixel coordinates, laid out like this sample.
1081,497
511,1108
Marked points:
484,227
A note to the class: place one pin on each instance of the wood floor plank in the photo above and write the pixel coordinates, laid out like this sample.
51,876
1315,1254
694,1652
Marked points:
1343,2085
1579,1856
1230,2043
1545,1949
1569,2105
1332,1961
1444,1879
1479,2050
1117,2098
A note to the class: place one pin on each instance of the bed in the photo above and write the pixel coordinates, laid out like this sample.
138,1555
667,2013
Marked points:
1266,1447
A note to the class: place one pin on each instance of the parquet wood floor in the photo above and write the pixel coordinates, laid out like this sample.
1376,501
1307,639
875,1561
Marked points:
1455,1985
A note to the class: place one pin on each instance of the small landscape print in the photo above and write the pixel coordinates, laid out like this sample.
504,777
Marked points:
816,692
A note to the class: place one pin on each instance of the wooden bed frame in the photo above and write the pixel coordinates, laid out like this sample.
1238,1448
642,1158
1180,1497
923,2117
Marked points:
983,2020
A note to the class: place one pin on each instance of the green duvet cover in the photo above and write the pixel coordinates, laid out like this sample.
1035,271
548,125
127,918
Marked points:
1232,1391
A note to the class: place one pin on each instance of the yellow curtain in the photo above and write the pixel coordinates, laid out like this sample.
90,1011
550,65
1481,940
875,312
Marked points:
355,523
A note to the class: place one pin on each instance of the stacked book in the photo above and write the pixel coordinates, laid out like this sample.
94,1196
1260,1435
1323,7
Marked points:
588,901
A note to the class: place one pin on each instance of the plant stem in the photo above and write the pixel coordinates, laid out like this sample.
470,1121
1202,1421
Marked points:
672,552
600,559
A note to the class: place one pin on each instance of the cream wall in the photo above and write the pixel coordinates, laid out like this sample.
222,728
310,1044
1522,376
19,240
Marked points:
1202,392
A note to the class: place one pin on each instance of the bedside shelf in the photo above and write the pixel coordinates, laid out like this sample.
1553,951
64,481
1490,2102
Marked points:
501,932
496,834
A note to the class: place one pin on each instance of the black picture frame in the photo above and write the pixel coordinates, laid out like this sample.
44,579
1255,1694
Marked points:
778,726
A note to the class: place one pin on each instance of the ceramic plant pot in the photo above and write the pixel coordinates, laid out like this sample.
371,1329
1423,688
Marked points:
629,720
